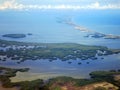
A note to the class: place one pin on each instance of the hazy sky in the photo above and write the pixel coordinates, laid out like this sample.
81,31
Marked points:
59,4
64,1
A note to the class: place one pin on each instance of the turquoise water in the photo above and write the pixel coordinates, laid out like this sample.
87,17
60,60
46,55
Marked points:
45,28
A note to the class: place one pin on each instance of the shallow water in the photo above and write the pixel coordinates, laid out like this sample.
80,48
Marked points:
45,69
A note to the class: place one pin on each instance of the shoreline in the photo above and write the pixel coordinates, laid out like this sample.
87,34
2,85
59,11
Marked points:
92,33
28,76
22,51
97,78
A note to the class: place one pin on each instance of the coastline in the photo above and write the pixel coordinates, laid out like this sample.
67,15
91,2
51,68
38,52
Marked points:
105,79
91,33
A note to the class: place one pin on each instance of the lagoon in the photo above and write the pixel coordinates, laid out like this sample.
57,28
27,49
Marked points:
45,69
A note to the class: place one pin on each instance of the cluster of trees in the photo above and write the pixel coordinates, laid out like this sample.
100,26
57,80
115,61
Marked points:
52,51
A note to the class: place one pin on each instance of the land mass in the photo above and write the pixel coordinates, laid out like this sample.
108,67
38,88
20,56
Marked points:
14,35
100,80
22,51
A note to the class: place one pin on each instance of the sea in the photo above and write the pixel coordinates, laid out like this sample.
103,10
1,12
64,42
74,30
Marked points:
47,26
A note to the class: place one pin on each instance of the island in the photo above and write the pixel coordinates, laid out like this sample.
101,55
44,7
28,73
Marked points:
14,35
100,80
22,51
101,35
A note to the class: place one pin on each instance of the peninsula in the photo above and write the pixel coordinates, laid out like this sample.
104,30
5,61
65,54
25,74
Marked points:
90,33
22,51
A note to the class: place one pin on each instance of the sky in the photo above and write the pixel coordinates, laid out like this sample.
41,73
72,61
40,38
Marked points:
59,4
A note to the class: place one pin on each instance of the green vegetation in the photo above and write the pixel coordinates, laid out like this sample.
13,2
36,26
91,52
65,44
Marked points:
22,51
65,51
6,73
77,82
30,85
14,35
107,76
97,76
100,74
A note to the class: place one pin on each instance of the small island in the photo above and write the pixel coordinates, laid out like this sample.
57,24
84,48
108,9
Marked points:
15,35
101,35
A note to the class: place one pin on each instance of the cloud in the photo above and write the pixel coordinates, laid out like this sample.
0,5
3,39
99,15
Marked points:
11,5
17,6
